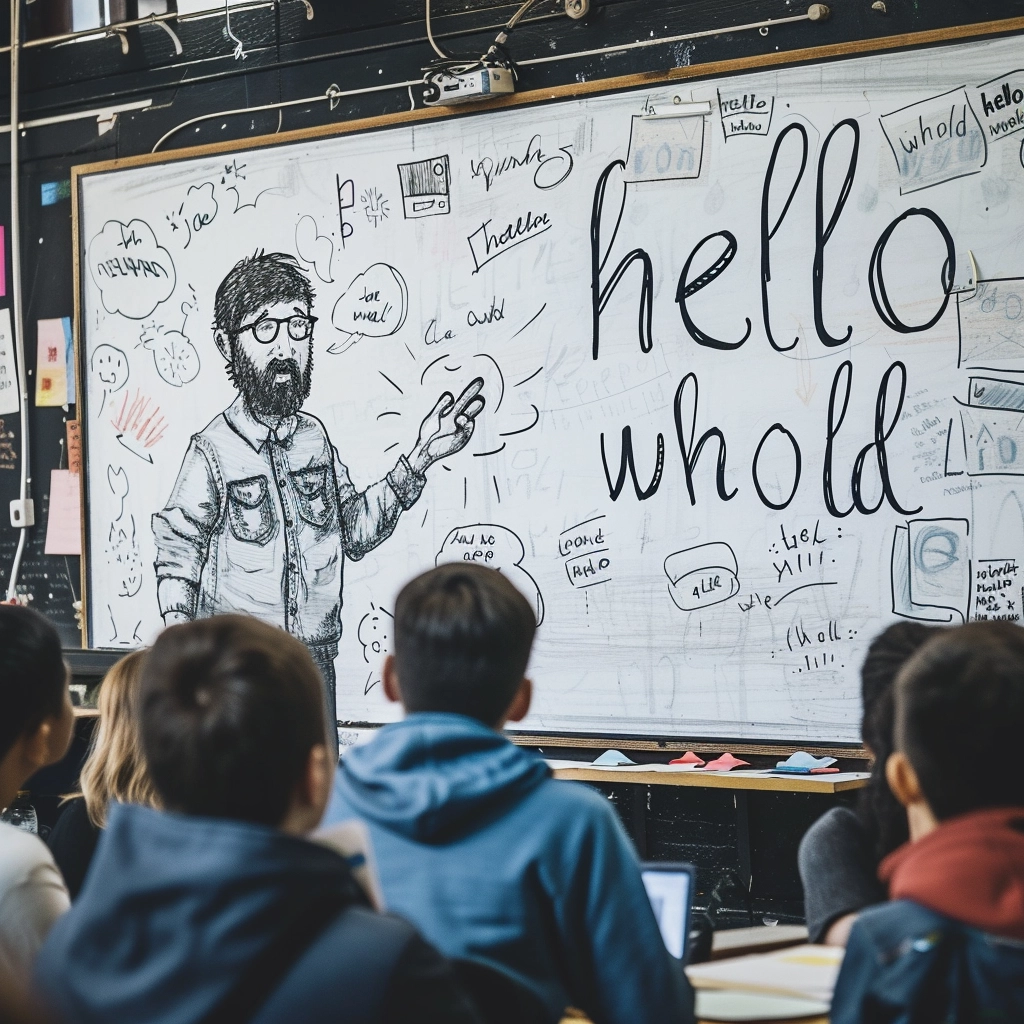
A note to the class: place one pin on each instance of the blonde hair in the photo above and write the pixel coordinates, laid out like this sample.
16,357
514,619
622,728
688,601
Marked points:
116,767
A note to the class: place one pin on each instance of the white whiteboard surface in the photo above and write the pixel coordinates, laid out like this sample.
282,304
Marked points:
724,616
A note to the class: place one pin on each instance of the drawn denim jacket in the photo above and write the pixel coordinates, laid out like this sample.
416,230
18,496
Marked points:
259,522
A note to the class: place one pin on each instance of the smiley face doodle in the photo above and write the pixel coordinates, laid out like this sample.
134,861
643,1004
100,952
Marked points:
109,365
375,633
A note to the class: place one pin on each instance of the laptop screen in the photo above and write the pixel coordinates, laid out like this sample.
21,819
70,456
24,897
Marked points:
669,888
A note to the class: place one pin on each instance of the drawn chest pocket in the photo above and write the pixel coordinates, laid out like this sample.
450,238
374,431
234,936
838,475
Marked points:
250,510
315,500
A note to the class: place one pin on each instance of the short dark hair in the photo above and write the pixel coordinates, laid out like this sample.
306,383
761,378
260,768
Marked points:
231,708
960,717
463,635
33,676
880,812
258,280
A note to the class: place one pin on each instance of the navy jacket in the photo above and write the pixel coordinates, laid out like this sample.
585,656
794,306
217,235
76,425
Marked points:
177,911
906,964
495,861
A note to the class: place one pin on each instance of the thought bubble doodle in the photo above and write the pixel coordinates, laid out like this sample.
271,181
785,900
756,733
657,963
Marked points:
133,272
314,248
374,305
702,576
495,547
176,358
109,365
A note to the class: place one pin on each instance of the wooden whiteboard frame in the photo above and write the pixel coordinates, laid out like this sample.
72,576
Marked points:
575,90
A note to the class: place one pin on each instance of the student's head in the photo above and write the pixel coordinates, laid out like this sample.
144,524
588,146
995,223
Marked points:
881,812
462,638
37,718
264,329
116,767
959,721
233,723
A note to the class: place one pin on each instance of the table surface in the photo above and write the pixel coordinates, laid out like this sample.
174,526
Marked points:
718,780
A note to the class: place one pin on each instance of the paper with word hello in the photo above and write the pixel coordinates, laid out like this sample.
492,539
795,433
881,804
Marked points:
52,363
64,522
9,394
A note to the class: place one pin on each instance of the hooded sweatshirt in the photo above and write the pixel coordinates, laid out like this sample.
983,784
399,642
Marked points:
178,913
496,862
950,947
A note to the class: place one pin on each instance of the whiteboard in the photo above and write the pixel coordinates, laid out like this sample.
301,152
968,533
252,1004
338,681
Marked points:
711,516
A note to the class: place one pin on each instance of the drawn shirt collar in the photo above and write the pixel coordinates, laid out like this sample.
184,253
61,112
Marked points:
255,431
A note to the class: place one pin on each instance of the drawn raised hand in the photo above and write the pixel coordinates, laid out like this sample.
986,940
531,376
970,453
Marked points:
448,426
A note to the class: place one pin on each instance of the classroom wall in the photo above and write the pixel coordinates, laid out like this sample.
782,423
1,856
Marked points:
358,45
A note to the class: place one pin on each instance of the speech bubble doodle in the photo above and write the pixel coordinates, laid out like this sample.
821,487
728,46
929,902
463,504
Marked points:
133,272
176,358
110,367
702,576
314,248
495,547
374,305
374,632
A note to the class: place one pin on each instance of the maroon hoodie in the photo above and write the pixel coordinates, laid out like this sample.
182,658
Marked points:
971,868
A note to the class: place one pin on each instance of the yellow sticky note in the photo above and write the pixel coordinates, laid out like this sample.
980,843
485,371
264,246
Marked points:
51,364
64,522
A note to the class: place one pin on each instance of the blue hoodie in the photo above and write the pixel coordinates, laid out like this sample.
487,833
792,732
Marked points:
495,861
176,911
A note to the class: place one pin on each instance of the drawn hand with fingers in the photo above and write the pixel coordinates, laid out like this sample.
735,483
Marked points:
448,427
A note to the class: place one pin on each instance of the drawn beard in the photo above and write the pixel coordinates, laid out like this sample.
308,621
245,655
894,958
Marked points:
268,398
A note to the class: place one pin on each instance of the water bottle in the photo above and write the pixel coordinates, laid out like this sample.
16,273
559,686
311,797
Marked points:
21,814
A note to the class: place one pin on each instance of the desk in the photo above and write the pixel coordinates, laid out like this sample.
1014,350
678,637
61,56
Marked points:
734,780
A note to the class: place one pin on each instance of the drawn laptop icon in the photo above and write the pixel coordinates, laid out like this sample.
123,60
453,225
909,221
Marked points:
426,187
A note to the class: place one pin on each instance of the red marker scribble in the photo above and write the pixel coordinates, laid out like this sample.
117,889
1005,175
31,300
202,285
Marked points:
141,419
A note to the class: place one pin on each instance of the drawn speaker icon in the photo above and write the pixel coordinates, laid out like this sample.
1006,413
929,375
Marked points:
426,187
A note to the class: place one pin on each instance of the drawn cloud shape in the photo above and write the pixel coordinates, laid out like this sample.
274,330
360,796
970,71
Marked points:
374,305
496,547
176,358
701,576
133,272
314,248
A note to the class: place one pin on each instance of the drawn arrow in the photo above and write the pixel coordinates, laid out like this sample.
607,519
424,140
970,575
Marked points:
145,458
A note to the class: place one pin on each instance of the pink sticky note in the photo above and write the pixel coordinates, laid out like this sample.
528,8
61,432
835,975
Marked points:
64,523
725,763
688,758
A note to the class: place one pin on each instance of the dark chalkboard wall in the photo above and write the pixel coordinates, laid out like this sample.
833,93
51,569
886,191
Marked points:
353,45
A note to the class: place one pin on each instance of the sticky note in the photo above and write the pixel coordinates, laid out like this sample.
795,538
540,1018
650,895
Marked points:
52,192
612,758
64,523
74,431
69,358
10,400
51,364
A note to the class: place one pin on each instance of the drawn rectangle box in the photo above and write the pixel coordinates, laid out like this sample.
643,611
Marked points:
936,140
1000,105
993,441
993,393
665,148
745,113
590,568
992,323
426,187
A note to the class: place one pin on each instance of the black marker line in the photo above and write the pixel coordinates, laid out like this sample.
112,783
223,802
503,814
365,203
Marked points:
578,525
530,321
447,469
536,420
465,491
496,491
532,375
993,369
391,382
434,363
501,377
425,514
409,350
381,415
833,583
596,583
390,446
480,455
